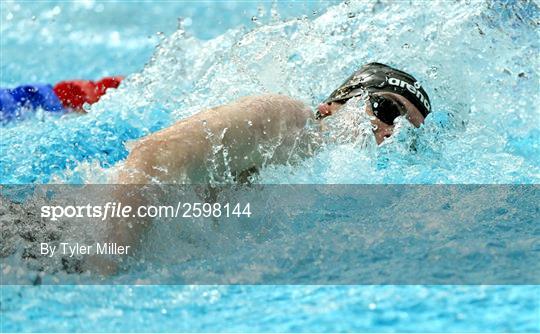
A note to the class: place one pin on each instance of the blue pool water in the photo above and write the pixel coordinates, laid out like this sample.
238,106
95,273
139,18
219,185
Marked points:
478,60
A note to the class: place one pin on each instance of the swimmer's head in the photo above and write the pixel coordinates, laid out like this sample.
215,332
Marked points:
390,93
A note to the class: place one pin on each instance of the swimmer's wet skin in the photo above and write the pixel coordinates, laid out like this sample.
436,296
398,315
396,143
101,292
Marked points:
251,127
244,129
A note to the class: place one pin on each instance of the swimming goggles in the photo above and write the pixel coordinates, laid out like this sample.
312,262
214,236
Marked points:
385,108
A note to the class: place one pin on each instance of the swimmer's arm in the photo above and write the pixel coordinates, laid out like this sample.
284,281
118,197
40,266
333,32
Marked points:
136,171
178,154
141,167
126,232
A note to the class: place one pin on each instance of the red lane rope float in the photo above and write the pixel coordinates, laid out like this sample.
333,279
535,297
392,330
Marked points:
75,93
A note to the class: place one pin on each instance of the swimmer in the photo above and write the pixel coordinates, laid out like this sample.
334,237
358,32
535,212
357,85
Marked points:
251,126
239,138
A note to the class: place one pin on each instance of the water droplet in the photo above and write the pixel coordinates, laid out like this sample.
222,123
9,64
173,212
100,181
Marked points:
351,15
375,105
250,123
406,46
432,72
372,306
87,107
33,18
56,11
254,19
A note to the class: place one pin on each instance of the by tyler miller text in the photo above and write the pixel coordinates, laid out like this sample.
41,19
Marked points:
74,249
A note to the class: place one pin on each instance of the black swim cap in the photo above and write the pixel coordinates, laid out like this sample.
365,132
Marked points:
376,77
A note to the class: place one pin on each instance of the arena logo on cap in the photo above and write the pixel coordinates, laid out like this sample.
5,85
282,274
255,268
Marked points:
411,88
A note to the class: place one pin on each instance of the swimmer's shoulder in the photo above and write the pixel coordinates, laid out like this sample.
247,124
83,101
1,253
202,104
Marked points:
269,98
272,101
